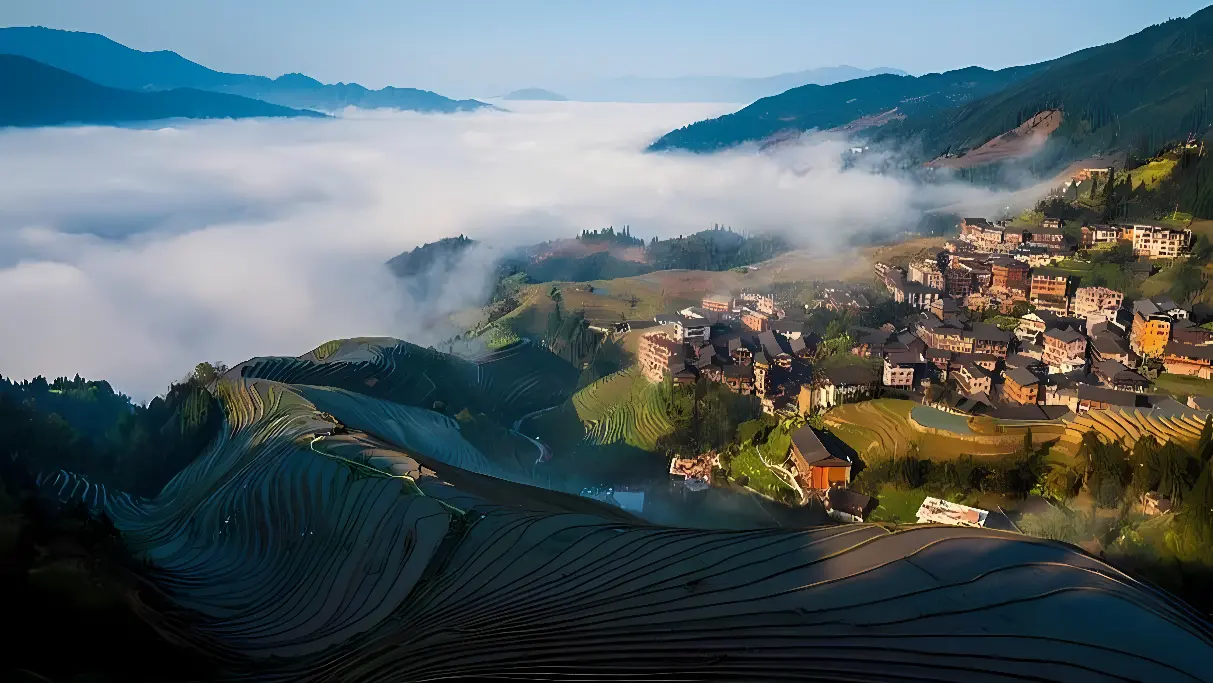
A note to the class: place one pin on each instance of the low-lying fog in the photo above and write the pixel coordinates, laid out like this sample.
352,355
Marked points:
132,254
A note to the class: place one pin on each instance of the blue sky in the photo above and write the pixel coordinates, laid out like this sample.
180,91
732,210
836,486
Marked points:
478,48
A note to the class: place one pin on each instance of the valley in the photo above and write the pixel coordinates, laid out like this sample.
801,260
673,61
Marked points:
846,373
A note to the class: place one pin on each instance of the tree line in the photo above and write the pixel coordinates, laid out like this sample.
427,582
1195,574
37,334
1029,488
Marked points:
85,427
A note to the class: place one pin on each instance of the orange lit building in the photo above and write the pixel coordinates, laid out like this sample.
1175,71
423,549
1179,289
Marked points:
717,303
1050,290
658,355
759,322
815,467
1150,333
1020,387
1007,274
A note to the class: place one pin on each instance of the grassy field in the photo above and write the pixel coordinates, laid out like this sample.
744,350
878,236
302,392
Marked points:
1181,386
1073,267
1152,172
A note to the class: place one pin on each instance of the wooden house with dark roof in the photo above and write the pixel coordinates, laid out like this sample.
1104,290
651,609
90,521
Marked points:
846,505
815,467
1099,398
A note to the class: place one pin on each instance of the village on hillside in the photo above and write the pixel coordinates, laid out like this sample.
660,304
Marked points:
995,330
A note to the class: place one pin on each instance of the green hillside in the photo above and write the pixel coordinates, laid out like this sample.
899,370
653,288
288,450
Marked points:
1139,93
820,107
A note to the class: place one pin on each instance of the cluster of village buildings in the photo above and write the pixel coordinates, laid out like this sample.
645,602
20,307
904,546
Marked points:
1079,349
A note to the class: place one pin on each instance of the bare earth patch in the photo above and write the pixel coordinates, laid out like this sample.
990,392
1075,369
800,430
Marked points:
870,121
1024,140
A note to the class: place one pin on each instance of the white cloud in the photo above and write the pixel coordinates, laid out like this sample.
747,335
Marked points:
131,254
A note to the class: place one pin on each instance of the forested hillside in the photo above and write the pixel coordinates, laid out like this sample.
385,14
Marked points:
84,426
719,248
1137,94
821,107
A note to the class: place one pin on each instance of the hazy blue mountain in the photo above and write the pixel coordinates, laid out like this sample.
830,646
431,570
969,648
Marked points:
712,88
534,94
112,64
39,95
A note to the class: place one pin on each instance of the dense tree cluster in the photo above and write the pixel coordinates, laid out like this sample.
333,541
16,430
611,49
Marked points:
621,238
1014,475
716,249
87,428
705,416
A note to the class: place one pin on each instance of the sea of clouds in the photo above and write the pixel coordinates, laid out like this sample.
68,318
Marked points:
130,254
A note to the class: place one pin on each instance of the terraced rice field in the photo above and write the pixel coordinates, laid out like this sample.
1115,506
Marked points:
498,336
875,429
881,429
1127,426
623,407
524,378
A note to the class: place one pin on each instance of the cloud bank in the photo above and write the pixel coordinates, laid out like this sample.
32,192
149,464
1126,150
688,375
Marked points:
132,254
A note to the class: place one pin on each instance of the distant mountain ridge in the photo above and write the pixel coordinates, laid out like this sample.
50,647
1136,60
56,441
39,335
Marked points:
106,62
713,88
1139,92
534,94
39,95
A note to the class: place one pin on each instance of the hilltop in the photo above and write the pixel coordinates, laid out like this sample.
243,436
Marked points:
114,65
605,254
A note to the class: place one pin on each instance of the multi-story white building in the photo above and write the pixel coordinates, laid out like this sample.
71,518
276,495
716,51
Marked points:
1153,241
926,272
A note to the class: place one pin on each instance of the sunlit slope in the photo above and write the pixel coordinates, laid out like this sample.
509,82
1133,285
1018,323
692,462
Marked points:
1126,426
623,407
328,535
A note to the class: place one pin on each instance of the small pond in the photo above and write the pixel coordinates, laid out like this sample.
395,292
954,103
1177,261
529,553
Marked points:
938,419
